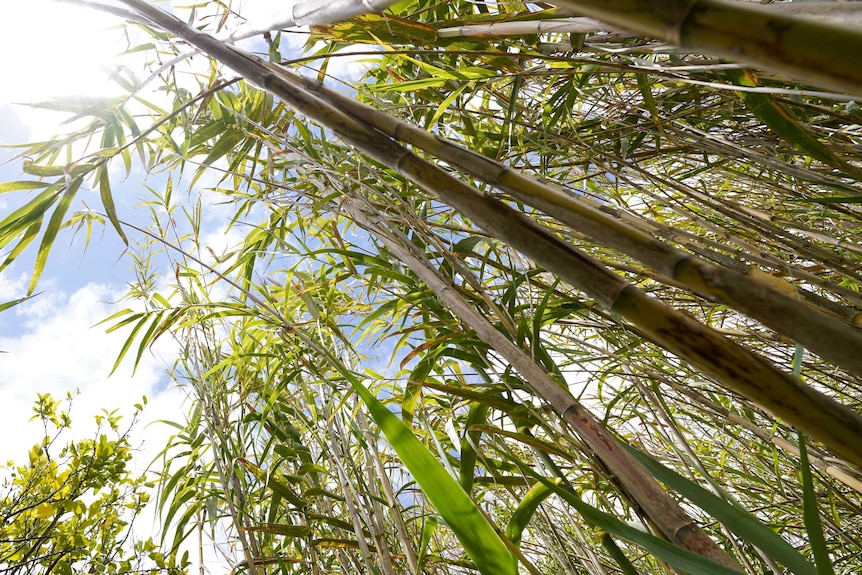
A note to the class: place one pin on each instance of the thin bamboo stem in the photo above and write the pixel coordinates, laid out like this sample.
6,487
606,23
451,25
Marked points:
507,29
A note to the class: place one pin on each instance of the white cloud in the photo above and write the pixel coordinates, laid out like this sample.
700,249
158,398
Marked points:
12,286
52,49
59,349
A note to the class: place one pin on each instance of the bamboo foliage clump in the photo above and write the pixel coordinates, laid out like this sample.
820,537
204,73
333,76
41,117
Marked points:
452,336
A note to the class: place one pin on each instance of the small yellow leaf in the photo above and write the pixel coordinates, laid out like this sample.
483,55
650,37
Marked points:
44,510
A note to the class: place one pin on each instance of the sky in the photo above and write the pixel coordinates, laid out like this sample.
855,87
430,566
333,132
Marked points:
52,343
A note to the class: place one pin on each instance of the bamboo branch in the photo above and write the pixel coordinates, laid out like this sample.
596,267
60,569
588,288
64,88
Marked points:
549,26
309,13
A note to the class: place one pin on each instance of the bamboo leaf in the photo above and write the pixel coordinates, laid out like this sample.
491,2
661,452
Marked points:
737,520
677,557
478,414
108,201
10,304
780,119
54,225
832,200
22,185
475,533
525,510
280,529
444,105
811,514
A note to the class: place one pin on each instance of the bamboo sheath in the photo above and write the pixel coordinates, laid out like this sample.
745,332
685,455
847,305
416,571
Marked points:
662,509
737,368
813,51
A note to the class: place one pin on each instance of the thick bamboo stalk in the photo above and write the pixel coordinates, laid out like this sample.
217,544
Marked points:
666,513
827,336
809,50
737,368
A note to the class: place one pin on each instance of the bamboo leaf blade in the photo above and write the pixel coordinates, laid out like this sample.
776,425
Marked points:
734,518
476,534
686,561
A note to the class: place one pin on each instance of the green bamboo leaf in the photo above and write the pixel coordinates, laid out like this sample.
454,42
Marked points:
142,321
737,520
649,100
28,237
333,521
682,559
408,85
54,225
780,119
20,220
444,105
476,534
525,510
30,167
108,200
613,549
149,337
831,200
280,529
811,514
10,304
282,488
428,528
525,438
128,315
478,414
22,185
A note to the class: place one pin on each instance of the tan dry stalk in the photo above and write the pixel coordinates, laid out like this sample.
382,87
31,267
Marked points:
737,368
673,522
809,50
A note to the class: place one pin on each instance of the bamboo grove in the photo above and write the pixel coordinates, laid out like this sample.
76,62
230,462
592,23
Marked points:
551,289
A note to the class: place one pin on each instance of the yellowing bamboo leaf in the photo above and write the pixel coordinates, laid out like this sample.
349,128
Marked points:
44,510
